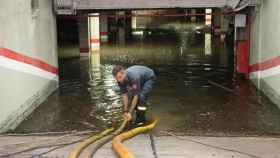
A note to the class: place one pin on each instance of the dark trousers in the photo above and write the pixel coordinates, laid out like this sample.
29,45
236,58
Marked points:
145,91
143,96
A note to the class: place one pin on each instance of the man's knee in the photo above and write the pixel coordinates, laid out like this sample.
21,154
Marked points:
147,88
142,99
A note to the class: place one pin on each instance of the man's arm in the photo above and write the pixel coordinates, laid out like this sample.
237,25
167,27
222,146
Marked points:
128,114
133,103
124,92
125,102
136,91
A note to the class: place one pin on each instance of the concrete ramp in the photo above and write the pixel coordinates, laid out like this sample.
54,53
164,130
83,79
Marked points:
160,147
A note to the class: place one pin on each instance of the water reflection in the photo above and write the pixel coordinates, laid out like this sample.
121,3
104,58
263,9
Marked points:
184,60
103,91
180,48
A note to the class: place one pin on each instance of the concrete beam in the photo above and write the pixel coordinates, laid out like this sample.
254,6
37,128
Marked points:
80,5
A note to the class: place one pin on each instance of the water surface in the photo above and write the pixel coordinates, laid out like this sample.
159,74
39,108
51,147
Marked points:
88,97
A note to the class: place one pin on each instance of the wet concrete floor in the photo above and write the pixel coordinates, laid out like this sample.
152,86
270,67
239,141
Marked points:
88,96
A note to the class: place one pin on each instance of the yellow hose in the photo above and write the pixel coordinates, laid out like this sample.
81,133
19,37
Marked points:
77,151
91,150
120,149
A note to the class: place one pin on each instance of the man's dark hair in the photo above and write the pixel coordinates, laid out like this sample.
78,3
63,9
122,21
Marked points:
117,69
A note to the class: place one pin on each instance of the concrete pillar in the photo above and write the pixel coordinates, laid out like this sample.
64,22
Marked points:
104,28
217,21
193,17
208,17
94,35
208,44
224,27
208,22
186,13
223,52
83,36
133,22
94,41
128,25
121,28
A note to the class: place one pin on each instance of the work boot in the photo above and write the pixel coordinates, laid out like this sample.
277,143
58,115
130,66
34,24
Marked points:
140,115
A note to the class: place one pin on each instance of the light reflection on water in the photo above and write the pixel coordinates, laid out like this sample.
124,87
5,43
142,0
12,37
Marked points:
103,92
89,98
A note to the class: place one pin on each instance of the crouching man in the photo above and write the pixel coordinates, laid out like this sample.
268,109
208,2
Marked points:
136,83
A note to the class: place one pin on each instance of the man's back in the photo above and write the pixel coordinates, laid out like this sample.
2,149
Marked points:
138,72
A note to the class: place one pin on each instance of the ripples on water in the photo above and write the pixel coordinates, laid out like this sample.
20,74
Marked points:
88,96
104,93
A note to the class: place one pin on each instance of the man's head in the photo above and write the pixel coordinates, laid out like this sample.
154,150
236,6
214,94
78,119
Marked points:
119,73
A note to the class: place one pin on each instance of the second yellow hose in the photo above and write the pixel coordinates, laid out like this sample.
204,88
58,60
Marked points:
77,151
120,149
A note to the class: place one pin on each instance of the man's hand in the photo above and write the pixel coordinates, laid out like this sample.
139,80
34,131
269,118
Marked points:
127,116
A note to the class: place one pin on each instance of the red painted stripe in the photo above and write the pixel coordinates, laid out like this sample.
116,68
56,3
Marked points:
94,40
103,33
265,65
84,50
28,60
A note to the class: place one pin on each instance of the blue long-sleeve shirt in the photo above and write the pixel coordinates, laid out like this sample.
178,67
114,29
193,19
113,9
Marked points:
136,76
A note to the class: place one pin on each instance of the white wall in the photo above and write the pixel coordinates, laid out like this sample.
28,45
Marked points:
33,34
265,46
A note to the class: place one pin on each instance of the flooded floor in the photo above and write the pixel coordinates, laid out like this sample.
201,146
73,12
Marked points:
88,97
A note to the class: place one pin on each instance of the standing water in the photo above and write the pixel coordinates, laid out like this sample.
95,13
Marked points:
185,61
